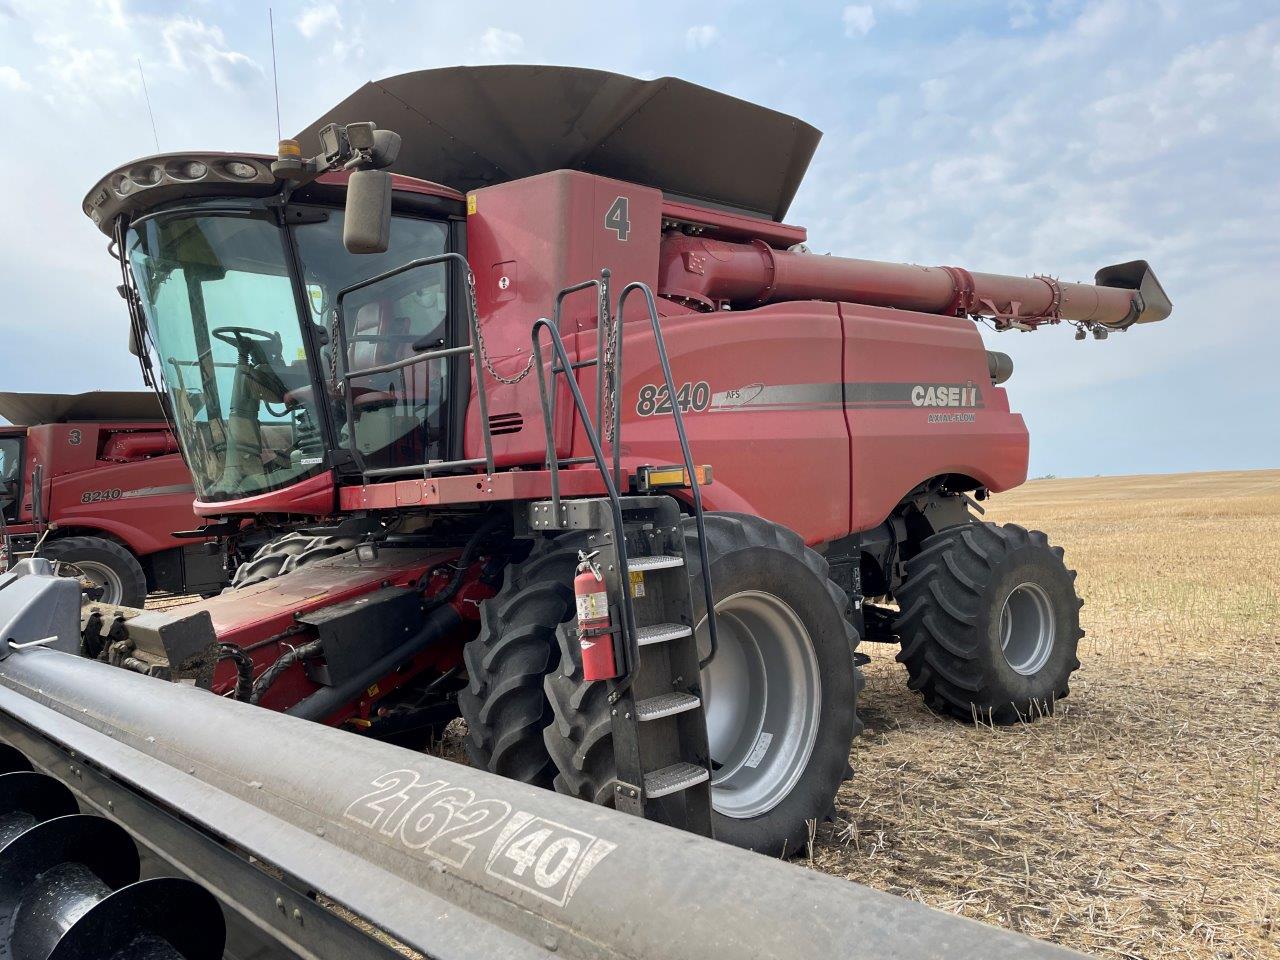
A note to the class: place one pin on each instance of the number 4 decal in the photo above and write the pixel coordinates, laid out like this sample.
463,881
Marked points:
617,218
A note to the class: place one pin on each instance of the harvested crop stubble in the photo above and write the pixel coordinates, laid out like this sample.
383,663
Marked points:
1143,820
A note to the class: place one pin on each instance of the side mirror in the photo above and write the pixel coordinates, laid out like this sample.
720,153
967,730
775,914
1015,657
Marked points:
134,347
366,226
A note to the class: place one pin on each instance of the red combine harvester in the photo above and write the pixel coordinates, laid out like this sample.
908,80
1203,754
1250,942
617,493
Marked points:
355,352
501,345
94,481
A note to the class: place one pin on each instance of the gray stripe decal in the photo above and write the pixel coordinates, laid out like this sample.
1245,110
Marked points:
158,491
833,396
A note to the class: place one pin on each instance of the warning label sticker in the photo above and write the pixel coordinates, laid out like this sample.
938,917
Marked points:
759,750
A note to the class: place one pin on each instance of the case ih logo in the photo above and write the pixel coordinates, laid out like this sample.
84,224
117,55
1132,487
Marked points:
944,395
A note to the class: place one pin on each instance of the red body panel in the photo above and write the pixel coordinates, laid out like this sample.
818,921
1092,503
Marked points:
313,497
251,616
900,440
90,484
527,240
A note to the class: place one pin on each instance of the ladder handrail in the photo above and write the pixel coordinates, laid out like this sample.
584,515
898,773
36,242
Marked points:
632,645
677,417
473,348
603,323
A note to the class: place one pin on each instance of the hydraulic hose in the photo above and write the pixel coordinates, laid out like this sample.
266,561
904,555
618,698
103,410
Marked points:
328,700
467,557
244,670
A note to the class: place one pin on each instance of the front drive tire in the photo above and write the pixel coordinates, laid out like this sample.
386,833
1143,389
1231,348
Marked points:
285,554
503,702
762,574
107,564
989,622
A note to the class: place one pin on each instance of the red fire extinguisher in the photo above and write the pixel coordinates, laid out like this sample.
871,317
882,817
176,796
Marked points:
595,629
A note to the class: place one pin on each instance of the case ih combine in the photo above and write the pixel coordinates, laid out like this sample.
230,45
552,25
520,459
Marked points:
527,410
94,481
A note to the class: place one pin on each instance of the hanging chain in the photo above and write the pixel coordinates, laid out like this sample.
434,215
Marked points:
484,352
608,368
338,385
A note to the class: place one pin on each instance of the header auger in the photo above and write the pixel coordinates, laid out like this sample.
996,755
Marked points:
766,455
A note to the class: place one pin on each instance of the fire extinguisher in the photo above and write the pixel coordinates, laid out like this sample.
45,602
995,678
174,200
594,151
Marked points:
595,629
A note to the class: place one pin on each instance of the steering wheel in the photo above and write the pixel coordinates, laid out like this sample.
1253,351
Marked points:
248,340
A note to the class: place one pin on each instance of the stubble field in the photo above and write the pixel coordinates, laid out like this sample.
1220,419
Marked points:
1143,820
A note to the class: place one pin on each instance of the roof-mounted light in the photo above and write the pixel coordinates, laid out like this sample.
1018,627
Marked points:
188,170
240,169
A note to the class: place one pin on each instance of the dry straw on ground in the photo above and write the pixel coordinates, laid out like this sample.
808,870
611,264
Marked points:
1144,819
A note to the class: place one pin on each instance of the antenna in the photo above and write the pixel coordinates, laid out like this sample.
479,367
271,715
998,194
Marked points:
275,77
147,97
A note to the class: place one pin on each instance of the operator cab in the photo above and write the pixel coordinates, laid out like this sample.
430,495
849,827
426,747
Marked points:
238,296
11,475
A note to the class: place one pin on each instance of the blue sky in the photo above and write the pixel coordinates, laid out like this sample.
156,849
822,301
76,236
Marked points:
1005,136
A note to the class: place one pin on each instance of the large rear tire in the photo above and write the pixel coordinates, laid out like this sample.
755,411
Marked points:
503,703
780,695
106,564
989,622
286,554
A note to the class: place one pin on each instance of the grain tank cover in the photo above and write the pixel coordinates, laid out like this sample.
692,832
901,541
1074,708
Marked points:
470,127
31,409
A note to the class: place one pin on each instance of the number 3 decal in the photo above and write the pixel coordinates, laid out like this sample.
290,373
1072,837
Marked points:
617,218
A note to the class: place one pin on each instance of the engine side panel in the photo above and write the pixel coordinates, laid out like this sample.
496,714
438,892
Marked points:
760,391
919,403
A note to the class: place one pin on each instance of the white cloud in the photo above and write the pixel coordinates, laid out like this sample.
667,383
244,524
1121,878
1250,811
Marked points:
190,42
314,20
499,44
75,73
11,79
1022,14
858,20
701,36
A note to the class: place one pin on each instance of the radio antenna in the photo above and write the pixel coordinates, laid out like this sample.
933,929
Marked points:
275,77
147,96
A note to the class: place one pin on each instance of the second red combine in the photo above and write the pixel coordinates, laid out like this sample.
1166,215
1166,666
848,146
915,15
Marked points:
529,374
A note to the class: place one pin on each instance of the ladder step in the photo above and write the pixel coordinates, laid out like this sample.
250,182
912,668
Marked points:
661,633
666,705
673,779
643,564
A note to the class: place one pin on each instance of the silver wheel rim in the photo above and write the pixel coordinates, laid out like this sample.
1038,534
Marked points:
100,575
1027,628
763,703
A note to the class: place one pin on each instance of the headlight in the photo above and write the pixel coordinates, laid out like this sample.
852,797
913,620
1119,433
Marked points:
188,170
146,176
240,170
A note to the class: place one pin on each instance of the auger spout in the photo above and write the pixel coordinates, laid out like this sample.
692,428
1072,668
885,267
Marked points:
715,272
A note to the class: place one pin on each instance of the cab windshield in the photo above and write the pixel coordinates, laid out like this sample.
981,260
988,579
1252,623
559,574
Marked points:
233,328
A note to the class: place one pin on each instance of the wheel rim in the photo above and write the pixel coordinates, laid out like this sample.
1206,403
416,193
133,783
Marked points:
763,703
100,575
1027,628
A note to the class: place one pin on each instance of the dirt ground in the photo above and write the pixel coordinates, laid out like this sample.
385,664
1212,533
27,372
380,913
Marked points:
1143,820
